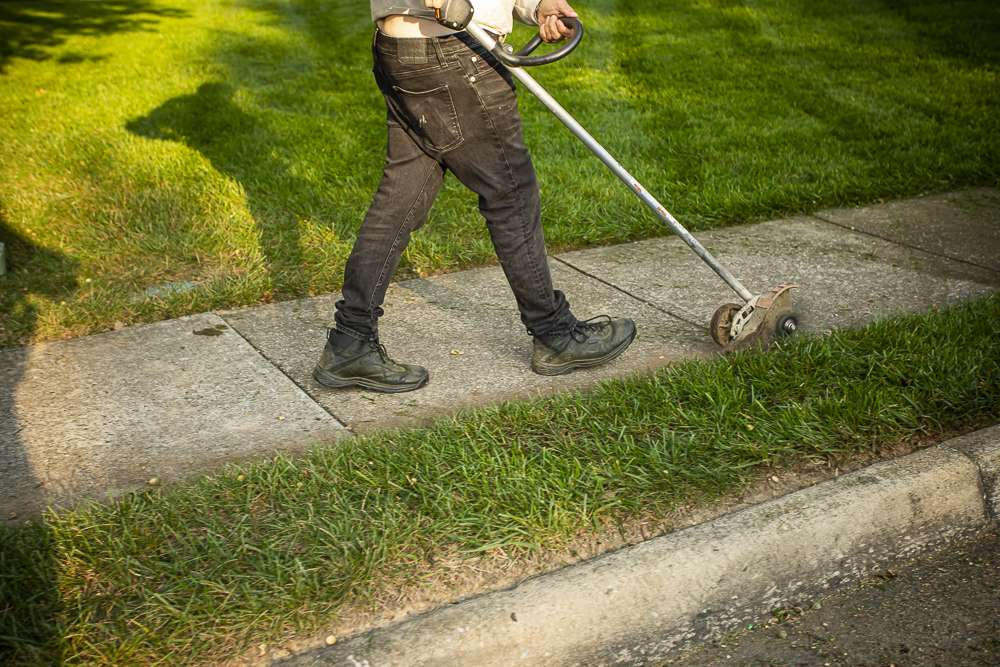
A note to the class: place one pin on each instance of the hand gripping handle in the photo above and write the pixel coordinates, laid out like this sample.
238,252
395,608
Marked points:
456,14
522,59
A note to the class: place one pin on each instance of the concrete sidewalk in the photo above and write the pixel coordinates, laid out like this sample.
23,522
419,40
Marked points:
100,415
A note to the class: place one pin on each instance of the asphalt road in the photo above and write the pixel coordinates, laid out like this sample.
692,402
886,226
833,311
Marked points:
940,610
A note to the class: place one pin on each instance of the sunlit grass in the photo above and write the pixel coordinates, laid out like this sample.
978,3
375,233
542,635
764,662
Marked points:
235,145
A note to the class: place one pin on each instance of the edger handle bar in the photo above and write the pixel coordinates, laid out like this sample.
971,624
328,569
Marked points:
457,14
522,59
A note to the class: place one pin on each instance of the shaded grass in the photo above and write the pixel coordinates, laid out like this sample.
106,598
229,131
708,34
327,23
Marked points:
235,145
264,551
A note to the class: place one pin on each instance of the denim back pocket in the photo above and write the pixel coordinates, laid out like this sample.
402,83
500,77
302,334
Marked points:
431,115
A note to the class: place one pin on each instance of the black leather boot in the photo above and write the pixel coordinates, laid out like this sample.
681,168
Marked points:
352,360
589,343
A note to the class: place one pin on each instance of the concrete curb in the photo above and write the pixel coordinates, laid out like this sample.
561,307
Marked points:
637,605
982,448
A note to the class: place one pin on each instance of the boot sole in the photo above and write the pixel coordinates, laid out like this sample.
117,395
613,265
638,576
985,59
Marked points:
568,367
331,381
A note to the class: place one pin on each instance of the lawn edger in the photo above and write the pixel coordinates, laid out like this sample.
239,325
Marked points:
762,318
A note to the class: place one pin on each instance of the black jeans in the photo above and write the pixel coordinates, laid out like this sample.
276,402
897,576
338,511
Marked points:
451,106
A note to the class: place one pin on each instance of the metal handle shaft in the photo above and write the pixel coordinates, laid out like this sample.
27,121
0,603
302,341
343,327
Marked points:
484,38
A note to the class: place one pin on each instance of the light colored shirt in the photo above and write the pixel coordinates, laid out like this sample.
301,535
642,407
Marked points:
494,15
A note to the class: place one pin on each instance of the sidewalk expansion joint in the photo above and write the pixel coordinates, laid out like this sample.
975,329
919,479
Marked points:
627,293
282,371
903,244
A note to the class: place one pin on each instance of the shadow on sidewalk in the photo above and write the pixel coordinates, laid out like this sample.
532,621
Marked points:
20,488
29,597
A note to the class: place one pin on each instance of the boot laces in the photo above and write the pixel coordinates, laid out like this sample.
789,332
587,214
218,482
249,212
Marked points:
383,354
582,329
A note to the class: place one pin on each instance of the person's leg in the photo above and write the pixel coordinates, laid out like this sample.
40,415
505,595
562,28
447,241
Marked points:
494,162
456,108
353,355
410,181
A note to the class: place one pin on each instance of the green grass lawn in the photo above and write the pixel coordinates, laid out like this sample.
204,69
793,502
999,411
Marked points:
262,552
162,157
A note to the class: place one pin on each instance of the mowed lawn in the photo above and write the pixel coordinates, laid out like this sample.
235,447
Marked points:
163,157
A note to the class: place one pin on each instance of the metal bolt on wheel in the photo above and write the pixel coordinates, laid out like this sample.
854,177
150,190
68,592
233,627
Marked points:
786,326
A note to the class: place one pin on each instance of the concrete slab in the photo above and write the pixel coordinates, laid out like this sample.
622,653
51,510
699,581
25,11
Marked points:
93,417
465,329
961,225
847,279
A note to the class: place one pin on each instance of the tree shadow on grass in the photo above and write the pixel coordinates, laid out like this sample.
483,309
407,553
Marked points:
30,29
965,30
247,150
29,597
31,627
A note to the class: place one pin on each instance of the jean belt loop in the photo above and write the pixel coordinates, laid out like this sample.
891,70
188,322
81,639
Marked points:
438,51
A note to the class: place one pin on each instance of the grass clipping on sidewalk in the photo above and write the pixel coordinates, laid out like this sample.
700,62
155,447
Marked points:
264,551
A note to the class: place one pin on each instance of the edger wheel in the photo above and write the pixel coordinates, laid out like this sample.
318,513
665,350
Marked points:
722,319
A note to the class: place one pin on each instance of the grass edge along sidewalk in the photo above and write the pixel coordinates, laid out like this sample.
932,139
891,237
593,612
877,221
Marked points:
267,551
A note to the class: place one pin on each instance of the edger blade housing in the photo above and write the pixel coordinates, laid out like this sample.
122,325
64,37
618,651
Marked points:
758,323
